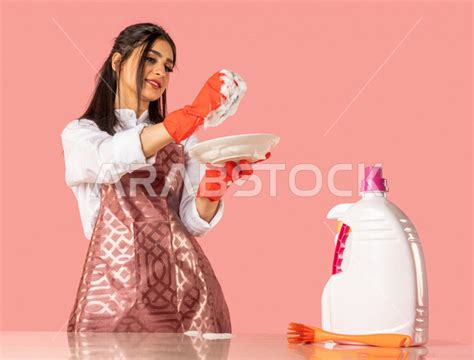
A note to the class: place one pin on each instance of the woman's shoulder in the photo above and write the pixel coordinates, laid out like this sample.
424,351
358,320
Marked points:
79,125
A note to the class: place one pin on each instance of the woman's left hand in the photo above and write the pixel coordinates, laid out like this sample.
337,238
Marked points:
217,180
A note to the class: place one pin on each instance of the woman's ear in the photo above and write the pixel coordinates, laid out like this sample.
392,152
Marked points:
116,57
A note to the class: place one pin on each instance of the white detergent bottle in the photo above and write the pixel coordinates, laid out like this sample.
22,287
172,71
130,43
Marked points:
378,282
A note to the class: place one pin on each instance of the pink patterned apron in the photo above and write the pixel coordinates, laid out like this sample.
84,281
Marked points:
144,272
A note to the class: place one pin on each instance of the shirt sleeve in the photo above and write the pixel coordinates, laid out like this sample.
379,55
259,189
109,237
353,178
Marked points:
188,210
94,156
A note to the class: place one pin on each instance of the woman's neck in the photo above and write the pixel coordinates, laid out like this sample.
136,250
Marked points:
138,113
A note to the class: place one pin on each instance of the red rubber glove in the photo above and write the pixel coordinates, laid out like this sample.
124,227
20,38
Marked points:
217,100
217,180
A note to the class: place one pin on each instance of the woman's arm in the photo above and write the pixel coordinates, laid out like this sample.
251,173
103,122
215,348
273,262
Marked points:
198,215
206,208
94,156
154,138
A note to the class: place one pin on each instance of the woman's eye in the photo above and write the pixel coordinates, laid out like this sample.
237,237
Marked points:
152,61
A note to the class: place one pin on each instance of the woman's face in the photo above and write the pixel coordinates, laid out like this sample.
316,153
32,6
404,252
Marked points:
156,73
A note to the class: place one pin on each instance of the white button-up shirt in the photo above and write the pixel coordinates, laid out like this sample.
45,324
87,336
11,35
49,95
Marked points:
87,149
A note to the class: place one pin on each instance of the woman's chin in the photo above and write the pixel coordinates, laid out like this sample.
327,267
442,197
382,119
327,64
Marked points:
151,93
147,96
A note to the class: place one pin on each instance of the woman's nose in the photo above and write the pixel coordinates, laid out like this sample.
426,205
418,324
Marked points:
160,69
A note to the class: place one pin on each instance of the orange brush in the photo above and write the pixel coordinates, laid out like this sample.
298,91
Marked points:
299,333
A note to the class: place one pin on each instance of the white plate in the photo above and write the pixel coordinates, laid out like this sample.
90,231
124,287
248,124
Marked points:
250,147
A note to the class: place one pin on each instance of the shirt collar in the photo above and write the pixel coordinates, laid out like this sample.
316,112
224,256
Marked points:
129,115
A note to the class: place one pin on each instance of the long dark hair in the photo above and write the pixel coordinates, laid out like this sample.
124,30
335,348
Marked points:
102,105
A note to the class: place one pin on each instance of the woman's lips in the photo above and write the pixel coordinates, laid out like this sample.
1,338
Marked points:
155,84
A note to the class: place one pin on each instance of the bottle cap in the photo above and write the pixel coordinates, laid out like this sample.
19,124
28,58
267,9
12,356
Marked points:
373,180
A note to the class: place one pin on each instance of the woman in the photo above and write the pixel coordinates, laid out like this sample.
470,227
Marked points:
144,269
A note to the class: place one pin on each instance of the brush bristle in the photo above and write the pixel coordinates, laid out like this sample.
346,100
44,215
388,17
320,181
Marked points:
300,333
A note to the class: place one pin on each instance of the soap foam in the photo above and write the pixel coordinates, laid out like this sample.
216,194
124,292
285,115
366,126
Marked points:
233,93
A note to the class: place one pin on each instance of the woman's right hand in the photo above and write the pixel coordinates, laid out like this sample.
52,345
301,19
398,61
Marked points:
218,99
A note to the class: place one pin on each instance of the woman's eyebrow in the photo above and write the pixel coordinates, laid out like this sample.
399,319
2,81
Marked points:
160,55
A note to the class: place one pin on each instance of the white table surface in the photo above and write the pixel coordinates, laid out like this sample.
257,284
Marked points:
61,345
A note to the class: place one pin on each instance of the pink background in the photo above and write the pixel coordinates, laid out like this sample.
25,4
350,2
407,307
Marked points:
395,76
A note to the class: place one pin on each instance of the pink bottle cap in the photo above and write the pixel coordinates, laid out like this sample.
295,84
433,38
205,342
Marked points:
373,180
